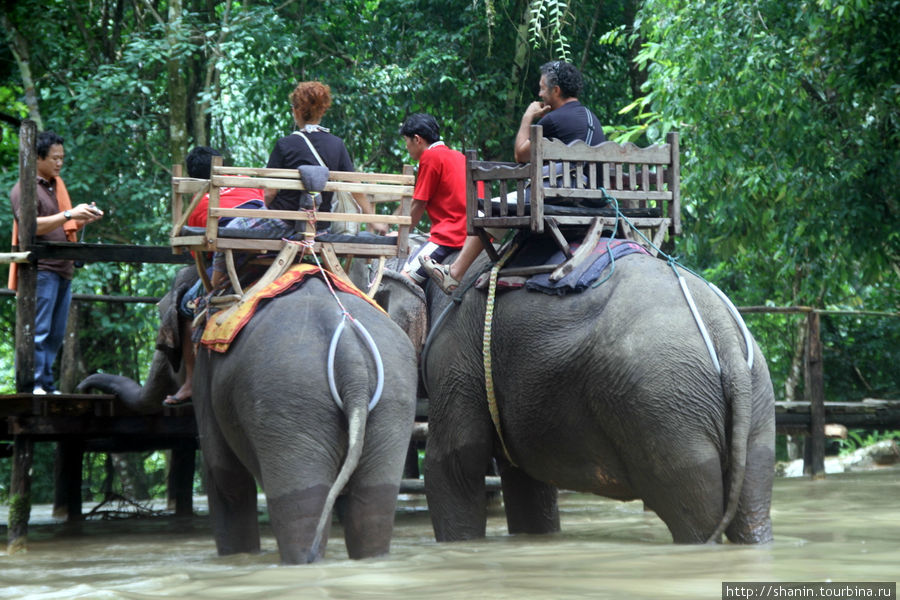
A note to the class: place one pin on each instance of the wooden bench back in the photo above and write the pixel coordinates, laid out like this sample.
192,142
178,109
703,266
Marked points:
640,179
379,187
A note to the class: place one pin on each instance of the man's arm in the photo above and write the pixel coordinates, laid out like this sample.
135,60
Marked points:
369,209
535,111
82,214
416,210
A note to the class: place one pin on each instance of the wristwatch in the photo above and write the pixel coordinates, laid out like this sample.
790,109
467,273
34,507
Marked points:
67,214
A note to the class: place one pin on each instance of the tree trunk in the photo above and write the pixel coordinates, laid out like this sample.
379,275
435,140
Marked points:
519,64
795,373
177,88
19,48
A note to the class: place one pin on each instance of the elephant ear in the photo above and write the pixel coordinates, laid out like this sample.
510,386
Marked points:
168,339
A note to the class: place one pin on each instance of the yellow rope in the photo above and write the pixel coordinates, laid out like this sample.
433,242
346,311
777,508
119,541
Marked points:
486,350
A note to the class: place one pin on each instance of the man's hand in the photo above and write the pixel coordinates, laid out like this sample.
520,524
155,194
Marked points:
86,213
522,147
378,228
535,111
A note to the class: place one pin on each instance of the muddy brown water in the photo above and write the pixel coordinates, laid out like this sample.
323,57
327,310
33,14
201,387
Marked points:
845,528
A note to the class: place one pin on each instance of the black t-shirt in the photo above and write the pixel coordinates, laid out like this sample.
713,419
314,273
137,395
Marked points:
291,151
569,122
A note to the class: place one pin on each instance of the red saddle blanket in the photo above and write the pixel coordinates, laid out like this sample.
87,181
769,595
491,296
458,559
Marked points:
221,328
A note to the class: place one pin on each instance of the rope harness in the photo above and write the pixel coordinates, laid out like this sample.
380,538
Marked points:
309,245
486,348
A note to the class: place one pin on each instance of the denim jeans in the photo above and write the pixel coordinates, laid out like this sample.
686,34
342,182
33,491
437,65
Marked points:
54,294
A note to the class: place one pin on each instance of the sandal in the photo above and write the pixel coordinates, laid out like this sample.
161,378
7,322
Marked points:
174,400
440,274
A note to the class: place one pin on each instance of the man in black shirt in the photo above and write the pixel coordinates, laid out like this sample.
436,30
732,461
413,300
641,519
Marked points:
561,114
563,117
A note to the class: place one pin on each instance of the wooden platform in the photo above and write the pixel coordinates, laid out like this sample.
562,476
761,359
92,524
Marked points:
53,416
794,417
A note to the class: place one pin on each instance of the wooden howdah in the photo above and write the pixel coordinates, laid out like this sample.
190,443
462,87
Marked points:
643,181
378,188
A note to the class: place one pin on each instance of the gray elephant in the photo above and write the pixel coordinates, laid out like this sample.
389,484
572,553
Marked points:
267,411
611,391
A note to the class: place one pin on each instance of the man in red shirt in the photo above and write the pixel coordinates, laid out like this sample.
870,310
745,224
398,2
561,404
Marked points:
440,191
199,166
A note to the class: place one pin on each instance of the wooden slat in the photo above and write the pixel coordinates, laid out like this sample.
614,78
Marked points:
345,176
557,192
610,152
271,183
297,215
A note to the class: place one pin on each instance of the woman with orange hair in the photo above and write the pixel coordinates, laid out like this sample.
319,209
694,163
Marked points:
309,101
305,146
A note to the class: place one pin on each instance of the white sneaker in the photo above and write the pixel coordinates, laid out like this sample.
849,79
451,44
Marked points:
38,391
56,392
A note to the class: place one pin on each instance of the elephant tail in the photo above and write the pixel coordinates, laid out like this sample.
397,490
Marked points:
357,416
737,390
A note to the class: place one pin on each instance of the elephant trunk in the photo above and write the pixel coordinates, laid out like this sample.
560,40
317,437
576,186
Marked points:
162,378
144,399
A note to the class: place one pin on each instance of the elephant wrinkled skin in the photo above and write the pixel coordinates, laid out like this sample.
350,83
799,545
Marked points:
265,413
611,391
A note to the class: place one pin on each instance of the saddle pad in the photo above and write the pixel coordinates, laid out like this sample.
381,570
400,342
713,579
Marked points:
219,335
588,272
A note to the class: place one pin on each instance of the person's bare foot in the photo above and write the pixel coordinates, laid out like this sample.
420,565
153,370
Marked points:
179,398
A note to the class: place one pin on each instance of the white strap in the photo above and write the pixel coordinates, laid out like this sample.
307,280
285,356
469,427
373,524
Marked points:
312,148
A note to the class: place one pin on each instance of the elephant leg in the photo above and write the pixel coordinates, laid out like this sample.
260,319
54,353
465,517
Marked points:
231,488
456,458
231,491
294,517
371,499
752,524
369,520
531,505
690,500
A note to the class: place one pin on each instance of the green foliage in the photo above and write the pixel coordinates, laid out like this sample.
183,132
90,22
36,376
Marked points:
790,159
860,438
549,21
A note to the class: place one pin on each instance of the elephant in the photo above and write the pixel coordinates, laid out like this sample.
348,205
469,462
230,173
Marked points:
267,412
611,391
166,373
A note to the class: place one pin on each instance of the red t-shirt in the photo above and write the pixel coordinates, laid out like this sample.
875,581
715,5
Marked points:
441,184
228,198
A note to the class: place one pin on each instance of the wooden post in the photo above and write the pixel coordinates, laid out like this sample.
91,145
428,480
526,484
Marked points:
20,493
67,479
26,308
180,479
68,363
814,461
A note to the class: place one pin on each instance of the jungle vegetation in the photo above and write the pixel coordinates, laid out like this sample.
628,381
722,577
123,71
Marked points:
789,114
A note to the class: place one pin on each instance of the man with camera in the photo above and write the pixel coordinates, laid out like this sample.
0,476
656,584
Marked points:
57,221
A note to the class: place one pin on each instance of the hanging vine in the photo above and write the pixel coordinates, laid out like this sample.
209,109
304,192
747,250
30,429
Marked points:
549,19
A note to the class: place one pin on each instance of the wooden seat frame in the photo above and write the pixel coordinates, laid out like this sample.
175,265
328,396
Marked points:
378,187
644,181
